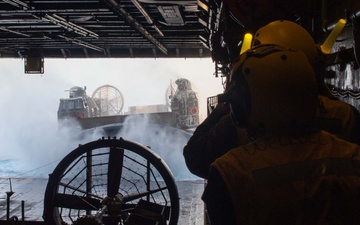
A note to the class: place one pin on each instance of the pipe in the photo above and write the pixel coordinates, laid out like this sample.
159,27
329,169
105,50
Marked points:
355,15
350,17
356,37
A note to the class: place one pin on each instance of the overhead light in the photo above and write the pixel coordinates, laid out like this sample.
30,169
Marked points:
34,62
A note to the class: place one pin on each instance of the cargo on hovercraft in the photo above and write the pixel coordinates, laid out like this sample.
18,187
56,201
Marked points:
105,107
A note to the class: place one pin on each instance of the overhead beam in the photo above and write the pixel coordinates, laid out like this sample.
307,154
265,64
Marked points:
82,43
179,2
63,53
17,3
43,11
14,32
147,16
122,12
58,20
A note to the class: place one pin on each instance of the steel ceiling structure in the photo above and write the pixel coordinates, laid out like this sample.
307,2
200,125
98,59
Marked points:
101,29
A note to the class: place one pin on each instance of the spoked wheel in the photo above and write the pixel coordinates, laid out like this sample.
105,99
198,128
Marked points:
111,181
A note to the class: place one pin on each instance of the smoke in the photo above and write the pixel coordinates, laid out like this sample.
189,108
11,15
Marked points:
32,142
165,141
35,147
29,135
34,156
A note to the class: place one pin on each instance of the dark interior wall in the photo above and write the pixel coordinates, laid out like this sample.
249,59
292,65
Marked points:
346,50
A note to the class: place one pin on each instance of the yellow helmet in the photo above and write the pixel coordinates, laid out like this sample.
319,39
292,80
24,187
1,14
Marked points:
272,88
289,35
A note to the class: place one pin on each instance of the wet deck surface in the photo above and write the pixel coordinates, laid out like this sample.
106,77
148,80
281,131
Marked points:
31,191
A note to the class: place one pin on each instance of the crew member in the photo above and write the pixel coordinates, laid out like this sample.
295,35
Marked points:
216,135
212,138
292,173
335,116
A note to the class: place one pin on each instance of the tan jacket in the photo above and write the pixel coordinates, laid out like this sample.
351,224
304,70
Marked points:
284,180
339,118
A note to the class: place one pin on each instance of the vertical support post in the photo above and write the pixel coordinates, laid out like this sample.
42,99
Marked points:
23,212
88,176
8,195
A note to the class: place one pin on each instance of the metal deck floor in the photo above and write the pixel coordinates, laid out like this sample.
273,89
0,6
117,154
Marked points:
31,191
